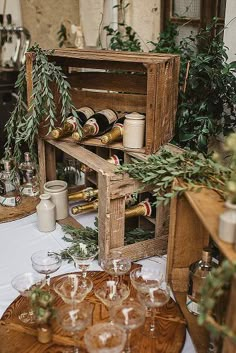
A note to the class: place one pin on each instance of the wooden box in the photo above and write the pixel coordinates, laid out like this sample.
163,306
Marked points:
126,82
193,221
112,189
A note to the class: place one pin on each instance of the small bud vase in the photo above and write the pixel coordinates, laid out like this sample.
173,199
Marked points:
227,224
44,333
46,212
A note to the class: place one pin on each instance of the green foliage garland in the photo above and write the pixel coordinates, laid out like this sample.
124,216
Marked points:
192,168
22,127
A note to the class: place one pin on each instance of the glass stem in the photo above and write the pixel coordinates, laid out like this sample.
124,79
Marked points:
47,278
128,338
152,323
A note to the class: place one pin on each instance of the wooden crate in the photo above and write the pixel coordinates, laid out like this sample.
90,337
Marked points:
112,188
193,221
126,82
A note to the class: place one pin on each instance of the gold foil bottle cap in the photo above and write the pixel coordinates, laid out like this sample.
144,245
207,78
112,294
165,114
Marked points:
105,139
55,133
76,136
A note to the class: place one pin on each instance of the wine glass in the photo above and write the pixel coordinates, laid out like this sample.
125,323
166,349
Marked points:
105,338
72,288
116,265
129,315
154,297
46,262
111,293
83,255
24,283
74,320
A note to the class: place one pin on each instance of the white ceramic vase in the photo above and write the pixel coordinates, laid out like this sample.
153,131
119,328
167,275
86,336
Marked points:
227,224
46,212
59,194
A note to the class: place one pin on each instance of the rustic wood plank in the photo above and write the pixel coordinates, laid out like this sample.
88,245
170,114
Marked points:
42,164
208,205
151,107
104,216
50,156
116,101
120,82
199,334
229,346
117,230
116,145
84,155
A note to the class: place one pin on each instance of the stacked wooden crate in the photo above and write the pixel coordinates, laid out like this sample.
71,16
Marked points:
125,82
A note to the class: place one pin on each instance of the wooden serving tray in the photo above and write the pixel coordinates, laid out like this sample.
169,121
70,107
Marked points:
170,322
25,208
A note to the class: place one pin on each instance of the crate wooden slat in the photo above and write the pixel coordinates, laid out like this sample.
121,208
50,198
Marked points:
194,219
142,82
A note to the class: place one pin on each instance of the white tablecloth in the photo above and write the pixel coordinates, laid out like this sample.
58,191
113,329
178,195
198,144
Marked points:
19,239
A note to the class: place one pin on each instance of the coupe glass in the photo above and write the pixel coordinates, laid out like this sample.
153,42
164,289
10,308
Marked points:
74,320
145,278
83,256
153,298
72,288
116,265
46,262
129,315
105,338
111,293
24,283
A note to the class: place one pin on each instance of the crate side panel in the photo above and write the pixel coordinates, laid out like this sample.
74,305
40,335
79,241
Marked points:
187,237
119,102
120,82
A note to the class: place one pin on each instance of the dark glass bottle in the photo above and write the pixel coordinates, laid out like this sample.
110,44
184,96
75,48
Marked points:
97,125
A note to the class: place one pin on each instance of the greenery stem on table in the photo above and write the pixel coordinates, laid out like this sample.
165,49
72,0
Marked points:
89,237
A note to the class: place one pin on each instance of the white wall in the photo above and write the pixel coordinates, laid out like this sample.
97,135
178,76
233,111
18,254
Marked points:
230,32
12,7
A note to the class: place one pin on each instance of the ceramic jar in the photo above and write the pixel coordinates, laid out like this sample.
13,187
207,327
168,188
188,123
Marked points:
227,224
59,195
46,212
134,129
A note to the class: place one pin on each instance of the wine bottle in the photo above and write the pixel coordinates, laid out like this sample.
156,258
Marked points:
115,134
144,208
71,123
7,157
97,125
198,271
90,206
9,186
89,193
114,159
86,194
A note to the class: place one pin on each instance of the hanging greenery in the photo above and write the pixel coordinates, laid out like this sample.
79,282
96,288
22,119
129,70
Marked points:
23,126
193,169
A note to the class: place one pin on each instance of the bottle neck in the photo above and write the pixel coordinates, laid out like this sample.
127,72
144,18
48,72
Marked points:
142,209
86,194
115,134
87,207
90,129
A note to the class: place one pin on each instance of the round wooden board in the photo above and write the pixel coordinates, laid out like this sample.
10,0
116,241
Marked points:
170,321
25,208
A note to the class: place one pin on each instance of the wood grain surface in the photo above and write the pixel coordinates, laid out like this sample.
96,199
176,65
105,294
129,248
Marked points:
14,339
25,208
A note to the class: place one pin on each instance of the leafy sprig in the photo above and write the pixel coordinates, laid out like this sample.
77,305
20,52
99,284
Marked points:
213,288
23,125
89,236
163,169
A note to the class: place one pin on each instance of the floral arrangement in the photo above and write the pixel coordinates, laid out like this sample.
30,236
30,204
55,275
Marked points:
42,305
